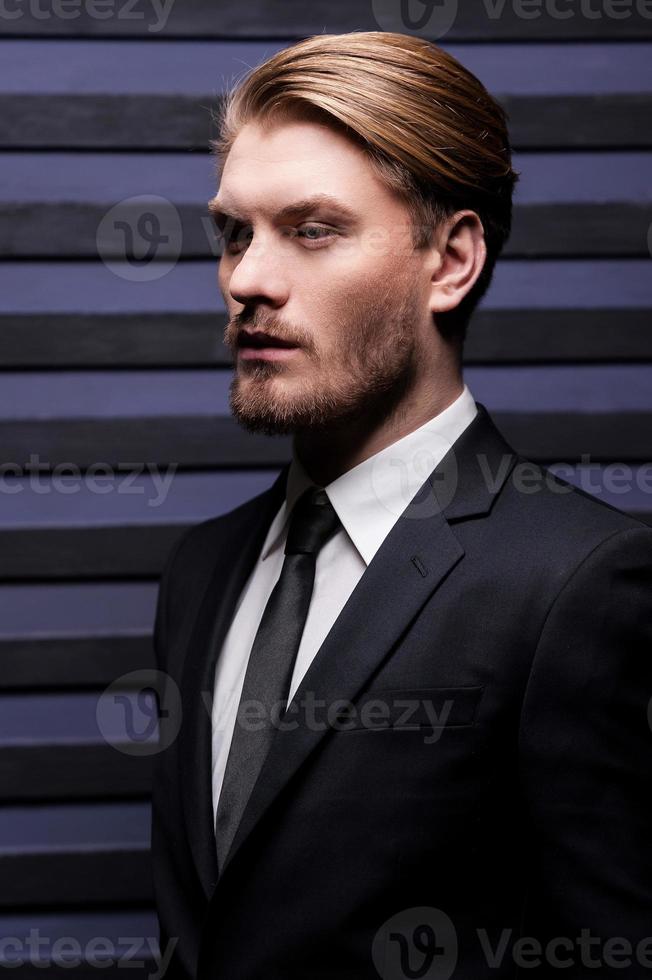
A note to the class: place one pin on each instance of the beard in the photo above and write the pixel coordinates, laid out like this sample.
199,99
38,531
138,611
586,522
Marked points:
362,377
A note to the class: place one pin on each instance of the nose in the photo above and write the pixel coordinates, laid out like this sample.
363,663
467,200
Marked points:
258,275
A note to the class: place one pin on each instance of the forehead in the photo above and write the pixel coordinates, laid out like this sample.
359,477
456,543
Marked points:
297,159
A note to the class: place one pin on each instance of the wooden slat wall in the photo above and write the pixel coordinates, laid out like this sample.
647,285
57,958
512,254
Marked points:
96,111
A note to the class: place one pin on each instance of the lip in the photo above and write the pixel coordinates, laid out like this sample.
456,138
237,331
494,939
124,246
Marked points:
267,353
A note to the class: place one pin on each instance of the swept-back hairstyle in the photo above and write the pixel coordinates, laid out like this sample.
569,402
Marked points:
428,126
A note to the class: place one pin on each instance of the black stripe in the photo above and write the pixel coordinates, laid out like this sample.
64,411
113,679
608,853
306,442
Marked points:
199,442
187,340
290,19
69,877
33,773
72,662
179,122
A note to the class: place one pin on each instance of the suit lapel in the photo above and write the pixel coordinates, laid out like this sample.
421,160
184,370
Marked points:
236,550
420,550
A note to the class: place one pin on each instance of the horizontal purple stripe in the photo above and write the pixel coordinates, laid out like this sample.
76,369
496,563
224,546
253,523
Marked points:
125,720
76,609
39,828
191,287
107,944
92,287
106,178
580,284
154,497
106,394
135,394
627,487
134,67
84,927
583,178
566,388
208,67
188,178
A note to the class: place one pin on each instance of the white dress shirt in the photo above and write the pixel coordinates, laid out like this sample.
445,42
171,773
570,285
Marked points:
368,499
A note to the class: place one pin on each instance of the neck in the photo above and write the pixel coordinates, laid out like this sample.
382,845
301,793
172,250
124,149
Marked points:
328,453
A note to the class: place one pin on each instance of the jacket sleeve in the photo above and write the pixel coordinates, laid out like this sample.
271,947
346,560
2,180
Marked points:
585,769
162,788
162,602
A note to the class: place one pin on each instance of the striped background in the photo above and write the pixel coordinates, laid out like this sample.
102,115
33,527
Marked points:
97,367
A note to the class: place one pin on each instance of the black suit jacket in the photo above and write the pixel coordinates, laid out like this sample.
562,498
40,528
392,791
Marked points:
520,609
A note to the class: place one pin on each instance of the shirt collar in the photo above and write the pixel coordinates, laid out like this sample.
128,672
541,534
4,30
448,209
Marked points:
370,497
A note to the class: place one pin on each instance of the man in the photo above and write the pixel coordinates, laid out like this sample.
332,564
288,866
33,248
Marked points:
458,783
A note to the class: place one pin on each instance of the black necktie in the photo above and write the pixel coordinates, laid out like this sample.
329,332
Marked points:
271,661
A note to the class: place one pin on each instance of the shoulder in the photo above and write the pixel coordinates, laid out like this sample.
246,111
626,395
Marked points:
552,514
200,547
552,494
196,545
601,559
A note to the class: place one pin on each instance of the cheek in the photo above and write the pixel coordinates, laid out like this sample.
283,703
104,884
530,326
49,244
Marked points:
334,317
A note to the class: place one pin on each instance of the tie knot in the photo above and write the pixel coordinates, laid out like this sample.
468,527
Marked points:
312,523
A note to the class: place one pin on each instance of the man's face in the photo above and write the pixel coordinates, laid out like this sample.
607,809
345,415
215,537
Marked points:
345,287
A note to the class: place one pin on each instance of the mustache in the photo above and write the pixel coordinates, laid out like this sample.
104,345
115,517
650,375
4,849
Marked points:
238,326
260,338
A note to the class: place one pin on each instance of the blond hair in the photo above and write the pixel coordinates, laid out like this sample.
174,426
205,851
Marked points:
428,126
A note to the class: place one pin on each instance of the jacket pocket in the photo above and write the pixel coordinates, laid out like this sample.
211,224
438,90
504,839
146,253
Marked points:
409,709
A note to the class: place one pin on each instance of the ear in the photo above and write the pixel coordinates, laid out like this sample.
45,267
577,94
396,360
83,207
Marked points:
459,253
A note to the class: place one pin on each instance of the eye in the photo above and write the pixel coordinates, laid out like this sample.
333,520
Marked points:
315,233
236,238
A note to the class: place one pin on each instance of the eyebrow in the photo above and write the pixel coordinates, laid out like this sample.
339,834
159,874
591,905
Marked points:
221,215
